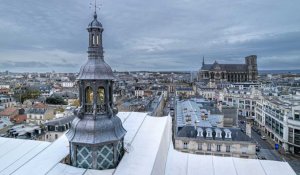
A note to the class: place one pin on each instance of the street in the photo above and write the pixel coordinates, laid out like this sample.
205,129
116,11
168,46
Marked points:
267,151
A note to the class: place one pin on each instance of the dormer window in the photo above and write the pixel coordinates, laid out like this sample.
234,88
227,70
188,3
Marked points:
218,133
227,134
199,132
208,133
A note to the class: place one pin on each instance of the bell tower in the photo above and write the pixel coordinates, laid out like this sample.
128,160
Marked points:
96,134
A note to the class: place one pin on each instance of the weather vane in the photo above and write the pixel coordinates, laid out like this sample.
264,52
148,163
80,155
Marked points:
95,5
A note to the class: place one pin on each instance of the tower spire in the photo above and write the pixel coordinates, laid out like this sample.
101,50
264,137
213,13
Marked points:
203,61
95,30
96,135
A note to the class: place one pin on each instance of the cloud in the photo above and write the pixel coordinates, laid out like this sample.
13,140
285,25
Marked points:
150,35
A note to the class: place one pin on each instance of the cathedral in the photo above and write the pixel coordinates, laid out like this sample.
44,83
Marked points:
230,72
96,134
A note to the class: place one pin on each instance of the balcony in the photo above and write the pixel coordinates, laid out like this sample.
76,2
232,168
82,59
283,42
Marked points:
100,109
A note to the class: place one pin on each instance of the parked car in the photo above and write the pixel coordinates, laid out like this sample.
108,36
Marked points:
263,137
257,148
263,158
255,129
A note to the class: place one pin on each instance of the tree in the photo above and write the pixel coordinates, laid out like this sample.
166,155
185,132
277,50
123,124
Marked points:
27,94
75,103
56,100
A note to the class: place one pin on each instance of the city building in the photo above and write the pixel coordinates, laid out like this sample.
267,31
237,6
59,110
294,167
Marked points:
215,141
38,113
200,129
185,91
6,101
230,72
23,131
5,124
244,99
57,127
279,118
9,113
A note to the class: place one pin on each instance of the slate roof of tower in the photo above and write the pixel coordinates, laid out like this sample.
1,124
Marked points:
95,23
95,131
227,67
96,69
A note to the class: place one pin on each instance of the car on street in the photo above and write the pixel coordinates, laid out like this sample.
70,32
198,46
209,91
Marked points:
255,129
263,137
257,148
258,132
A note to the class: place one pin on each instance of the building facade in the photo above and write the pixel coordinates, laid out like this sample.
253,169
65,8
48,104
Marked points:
230,72
57,127
279,118
215,141
243,99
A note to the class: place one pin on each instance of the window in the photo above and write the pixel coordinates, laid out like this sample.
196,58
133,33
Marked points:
56,136
93,39
185,145
228,148
199,146
89,95
208,147
297,115
218,148
97,42
101,95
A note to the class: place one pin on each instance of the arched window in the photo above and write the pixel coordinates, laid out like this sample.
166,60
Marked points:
110,94
97,42
93,39
101,95
89,95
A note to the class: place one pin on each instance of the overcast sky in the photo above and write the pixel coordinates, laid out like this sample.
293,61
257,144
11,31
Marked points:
46,35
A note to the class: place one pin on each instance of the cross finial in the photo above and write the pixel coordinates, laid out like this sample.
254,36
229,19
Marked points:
95,6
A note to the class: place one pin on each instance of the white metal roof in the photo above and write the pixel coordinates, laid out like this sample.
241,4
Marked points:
150,152
180,163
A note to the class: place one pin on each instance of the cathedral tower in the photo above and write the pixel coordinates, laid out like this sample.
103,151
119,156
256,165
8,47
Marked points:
251,62
96,134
